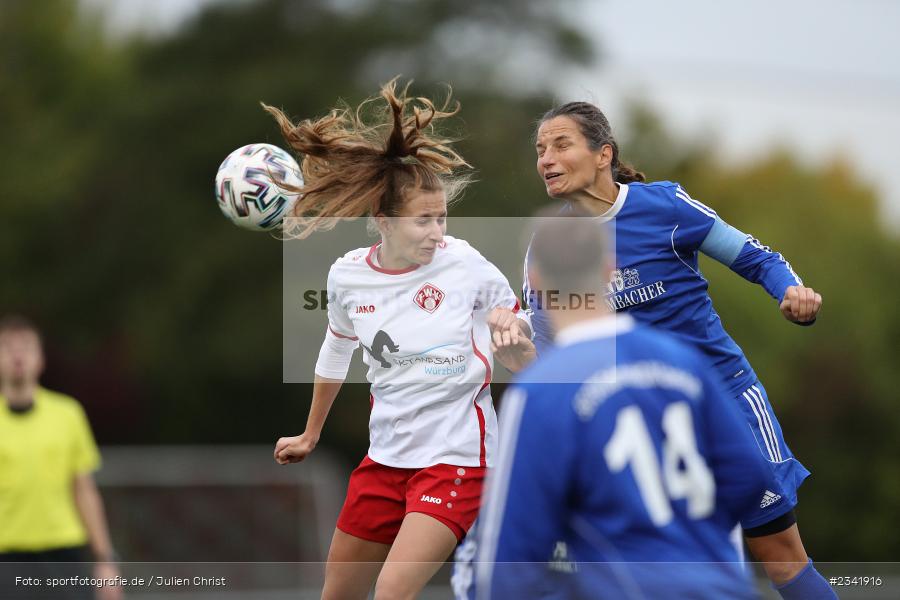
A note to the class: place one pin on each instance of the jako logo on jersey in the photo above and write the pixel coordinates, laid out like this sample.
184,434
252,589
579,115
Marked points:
365,310
429,297
431,499
769,498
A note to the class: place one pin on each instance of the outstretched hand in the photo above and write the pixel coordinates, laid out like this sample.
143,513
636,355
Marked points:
800,304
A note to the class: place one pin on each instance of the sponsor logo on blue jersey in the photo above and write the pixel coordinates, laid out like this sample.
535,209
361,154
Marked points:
625,289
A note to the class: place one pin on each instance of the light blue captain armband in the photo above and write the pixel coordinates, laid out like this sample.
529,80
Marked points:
723,242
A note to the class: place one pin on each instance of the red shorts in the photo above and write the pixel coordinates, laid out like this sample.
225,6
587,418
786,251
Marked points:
379,497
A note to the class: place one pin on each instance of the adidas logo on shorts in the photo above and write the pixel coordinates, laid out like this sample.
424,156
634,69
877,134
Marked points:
561,561
769,498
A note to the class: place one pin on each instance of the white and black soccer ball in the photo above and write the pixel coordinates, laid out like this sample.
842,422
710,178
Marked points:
250,186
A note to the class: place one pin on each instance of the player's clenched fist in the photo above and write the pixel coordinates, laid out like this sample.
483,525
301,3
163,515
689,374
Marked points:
510,339
800,304
293,449
504,327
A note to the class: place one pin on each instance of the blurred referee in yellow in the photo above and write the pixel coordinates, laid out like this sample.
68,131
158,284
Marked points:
50,509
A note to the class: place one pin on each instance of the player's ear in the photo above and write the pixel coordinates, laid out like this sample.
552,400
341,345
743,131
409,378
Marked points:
604,156
383,223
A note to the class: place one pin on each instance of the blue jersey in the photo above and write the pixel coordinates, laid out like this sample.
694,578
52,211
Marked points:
659,231
643,471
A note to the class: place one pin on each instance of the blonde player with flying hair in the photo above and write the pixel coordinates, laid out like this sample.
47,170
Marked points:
431,313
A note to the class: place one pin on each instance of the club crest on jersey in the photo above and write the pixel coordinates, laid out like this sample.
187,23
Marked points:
429,297
623,279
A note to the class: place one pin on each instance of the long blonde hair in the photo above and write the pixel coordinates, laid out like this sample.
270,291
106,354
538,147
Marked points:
354,168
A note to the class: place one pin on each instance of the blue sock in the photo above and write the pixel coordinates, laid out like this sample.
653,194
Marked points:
807,585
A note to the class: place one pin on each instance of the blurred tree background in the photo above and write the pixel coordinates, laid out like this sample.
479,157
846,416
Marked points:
163,318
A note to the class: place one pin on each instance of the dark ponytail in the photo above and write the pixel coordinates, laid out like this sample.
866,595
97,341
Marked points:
625,173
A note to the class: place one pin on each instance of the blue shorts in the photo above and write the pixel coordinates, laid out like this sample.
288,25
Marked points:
788,472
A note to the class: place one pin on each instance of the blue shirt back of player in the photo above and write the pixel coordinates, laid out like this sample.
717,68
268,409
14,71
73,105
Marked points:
642,470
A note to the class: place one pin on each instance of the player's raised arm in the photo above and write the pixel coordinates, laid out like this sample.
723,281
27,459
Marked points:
760,264
700,228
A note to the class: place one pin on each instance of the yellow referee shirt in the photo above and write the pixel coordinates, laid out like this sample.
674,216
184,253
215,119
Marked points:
41,452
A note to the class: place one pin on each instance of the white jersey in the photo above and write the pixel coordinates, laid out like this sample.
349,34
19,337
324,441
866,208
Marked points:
426,342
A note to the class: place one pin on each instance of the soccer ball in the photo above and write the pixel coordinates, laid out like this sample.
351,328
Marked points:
249,186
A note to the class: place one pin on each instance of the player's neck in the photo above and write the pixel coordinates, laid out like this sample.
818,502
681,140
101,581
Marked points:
388,260
568,318
598,198
19,395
